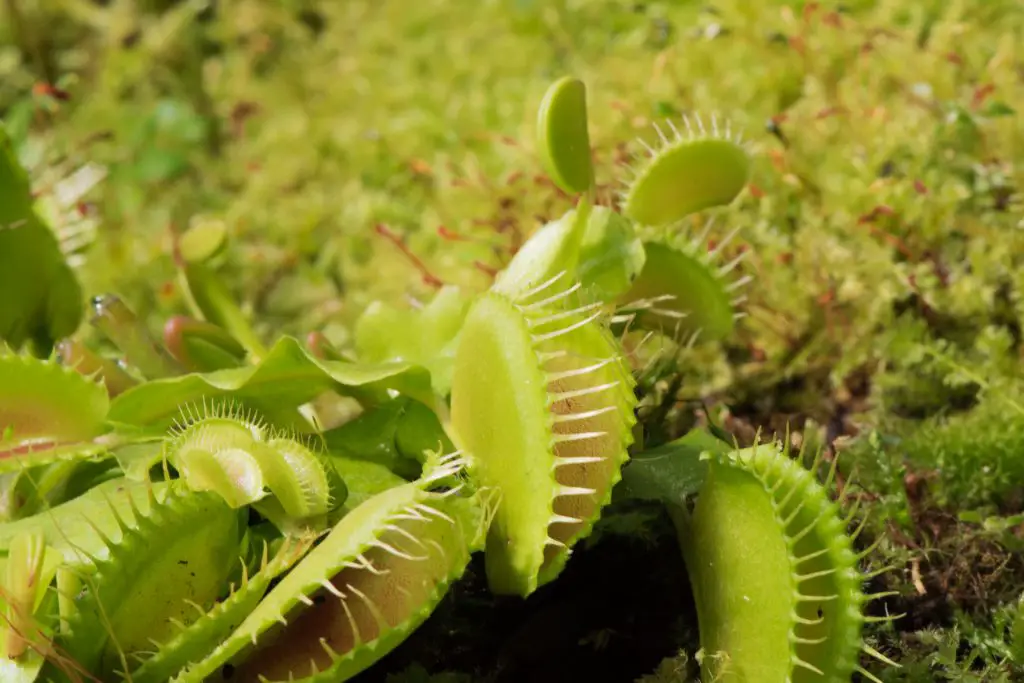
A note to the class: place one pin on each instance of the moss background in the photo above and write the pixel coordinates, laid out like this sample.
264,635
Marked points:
885,221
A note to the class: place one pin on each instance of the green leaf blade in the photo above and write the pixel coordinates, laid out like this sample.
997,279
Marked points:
285,379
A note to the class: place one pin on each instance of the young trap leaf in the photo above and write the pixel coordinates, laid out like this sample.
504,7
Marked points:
47,413
286,378
542,407
682,291
562,136
73,354
564,145
201,346
372,581
774,573
686,173
207,294
238,457
28,570
42,300
130,335
212,302
203,241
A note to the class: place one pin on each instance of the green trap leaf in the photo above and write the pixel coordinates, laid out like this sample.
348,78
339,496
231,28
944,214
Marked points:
681,291
562,136
202,241
48,304
685,174
47,412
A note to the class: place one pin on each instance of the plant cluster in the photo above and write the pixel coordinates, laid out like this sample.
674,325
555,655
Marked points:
179,514
243,173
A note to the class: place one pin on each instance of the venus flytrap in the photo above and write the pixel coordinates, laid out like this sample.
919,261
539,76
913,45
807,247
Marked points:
564,144
562,135
372,580
196,252
543,408
773,567
243,544
142,588
796,613
232,453
48,303
683,291
640,261
200,637
790,515
685,172
47,413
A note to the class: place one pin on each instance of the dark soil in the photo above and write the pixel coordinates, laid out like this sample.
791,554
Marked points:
621,606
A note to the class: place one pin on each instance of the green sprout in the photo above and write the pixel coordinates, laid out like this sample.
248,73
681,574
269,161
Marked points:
562,135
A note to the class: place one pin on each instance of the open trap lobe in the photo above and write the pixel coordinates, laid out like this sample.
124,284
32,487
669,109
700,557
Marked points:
369,599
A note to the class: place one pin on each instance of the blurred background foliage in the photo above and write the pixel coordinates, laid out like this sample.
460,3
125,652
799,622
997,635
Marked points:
885,214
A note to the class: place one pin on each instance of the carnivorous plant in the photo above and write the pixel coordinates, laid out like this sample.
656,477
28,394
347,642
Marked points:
178,512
